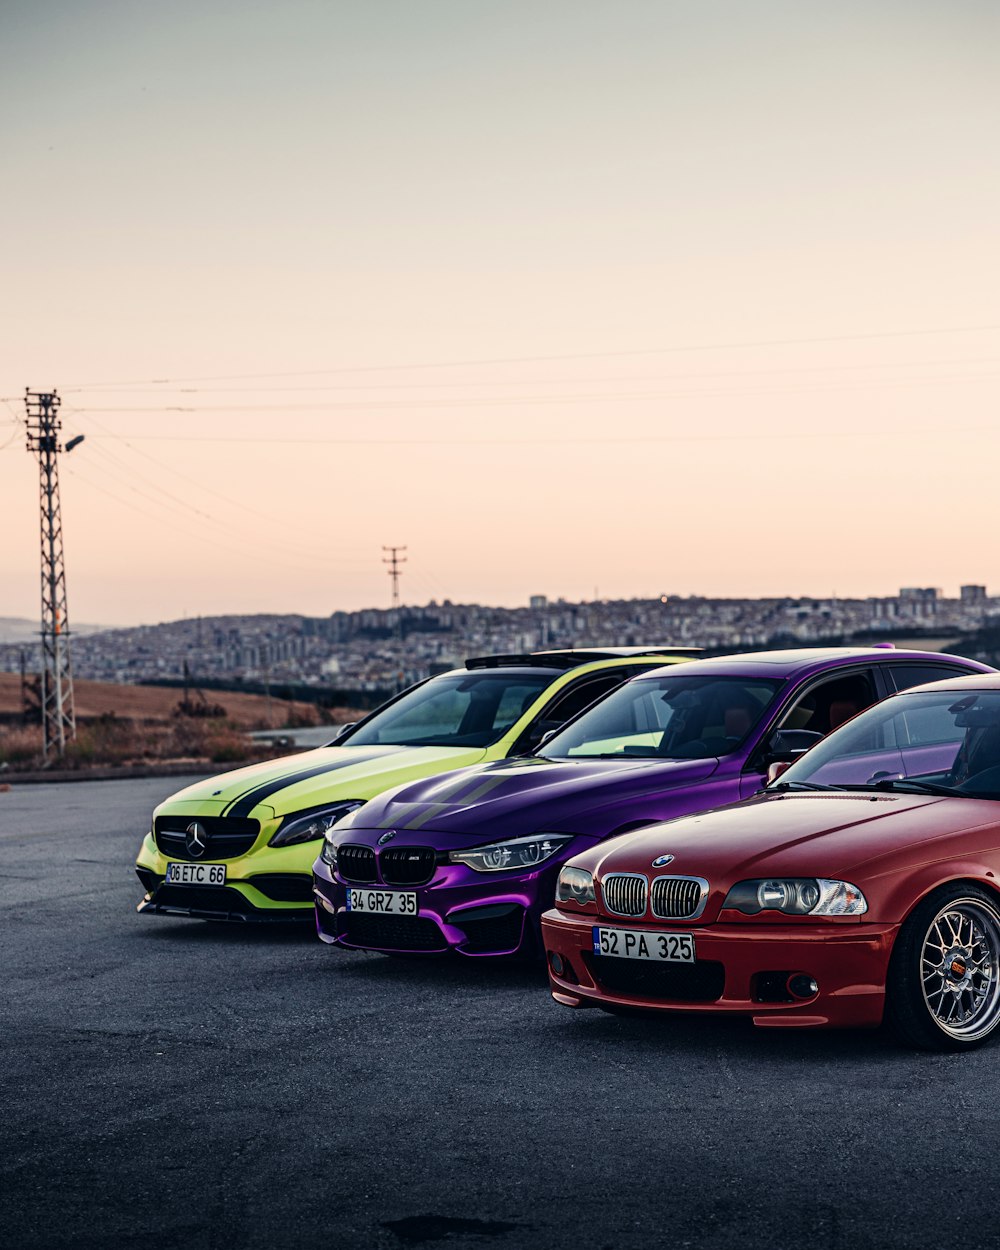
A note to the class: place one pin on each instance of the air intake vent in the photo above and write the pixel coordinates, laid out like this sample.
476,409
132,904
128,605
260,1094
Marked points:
625,893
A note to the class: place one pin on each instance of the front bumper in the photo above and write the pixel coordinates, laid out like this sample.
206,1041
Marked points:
263,886
460,910
740,969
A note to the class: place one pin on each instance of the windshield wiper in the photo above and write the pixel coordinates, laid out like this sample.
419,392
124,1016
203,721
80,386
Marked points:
921,787
888,784
613,755
799,785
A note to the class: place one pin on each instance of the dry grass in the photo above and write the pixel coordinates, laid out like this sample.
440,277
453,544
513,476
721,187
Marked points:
98,698
128,725
110,740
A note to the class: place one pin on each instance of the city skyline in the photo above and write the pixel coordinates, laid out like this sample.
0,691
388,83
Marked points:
567,299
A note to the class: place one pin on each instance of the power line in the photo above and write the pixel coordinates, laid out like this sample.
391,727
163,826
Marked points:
504,360
540,401
144,389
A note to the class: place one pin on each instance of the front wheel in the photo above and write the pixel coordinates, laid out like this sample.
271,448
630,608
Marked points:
943,990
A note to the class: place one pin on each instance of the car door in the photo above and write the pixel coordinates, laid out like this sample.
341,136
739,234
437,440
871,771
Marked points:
818,704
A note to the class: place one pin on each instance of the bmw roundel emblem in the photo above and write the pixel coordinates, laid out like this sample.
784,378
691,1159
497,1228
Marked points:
387,837
661,861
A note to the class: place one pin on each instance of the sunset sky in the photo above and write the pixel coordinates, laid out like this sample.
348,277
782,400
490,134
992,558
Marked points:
574,297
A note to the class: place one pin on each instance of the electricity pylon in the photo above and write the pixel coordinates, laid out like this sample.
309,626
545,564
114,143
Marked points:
394,561
58,714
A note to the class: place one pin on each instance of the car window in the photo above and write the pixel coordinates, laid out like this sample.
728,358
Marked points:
668,718
949,738
906,675
581,695
826,705
471,709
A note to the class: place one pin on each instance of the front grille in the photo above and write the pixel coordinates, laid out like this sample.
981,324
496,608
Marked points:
676,898
407,865
284,887
356,864
625,894
700,982
494,934
393,933
226,837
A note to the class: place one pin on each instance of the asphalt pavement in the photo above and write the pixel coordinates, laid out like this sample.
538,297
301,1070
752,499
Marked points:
172,1083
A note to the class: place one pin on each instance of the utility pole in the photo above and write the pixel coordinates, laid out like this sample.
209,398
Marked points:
394,561
58,714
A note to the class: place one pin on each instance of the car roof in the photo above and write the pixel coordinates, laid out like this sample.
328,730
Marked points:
571,657
792,661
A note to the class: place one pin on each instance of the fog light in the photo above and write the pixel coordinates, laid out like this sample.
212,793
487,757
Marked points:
556,963
801,986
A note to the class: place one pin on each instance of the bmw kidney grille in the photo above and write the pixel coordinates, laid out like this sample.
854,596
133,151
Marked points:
625,893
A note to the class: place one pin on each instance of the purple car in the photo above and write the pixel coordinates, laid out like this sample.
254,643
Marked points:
468,861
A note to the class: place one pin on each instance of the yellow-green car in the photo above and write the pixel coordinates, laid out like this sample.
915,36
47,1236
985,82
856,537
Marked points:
241,846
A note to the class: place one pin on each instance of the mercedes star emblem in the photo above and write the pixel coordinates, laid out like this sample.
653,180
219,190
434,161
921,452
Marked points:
195,839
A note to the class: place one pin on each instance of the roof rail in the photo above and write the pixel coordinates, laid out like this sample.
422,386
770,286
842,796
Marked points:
572,657
525,660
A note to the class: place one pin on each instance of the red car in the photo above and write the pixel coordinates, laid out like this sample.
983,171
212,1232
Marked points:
861,885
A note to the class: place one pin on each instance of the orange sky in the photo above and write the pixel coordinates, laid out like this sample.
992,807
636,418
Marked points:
569,298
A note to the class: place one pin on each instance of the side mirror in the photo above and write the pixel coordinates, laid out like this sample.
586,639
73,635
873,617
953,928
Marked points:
539,733
787,745
341,730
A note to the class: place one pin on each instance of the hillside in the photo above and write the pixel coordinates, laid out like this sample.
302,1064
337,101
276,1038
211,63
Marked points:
157,703
22,632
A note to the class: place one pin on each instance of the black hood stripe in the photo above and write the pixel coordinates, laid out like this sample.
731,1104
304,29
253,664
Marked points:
244,804
454,798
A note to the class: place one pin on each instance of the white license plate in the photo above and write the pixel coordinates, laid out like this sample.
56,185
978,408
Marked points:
196,874
674,948
386,902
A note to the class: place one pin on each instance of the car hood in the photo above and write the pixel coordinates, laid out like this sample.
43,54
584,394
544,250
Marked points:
299,782
514,797
804,835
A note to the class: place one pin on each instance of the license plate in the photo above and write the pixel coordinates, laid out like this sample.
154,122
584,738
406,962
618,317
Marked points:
196,874
674,948
386,902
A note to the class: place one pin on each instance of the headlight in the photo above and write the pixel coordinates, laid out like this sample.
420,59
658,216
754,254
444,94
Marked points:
575,885
517,853
797,896
308,826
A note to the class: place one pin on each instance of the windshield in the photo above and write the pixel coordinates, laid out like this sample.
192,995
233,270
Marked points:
946,742
464,710
680,718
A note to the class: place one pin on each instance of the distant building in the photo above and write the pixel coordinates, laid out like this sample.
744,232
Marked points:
537,602
972,596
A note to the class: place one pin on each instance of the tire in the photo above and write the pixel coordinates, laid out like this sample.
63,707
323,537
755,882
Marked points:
943,988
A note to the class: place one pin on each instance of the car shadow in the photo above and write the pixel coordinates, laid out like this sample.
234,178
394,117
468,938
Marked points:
449,971
691,1035
183,929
